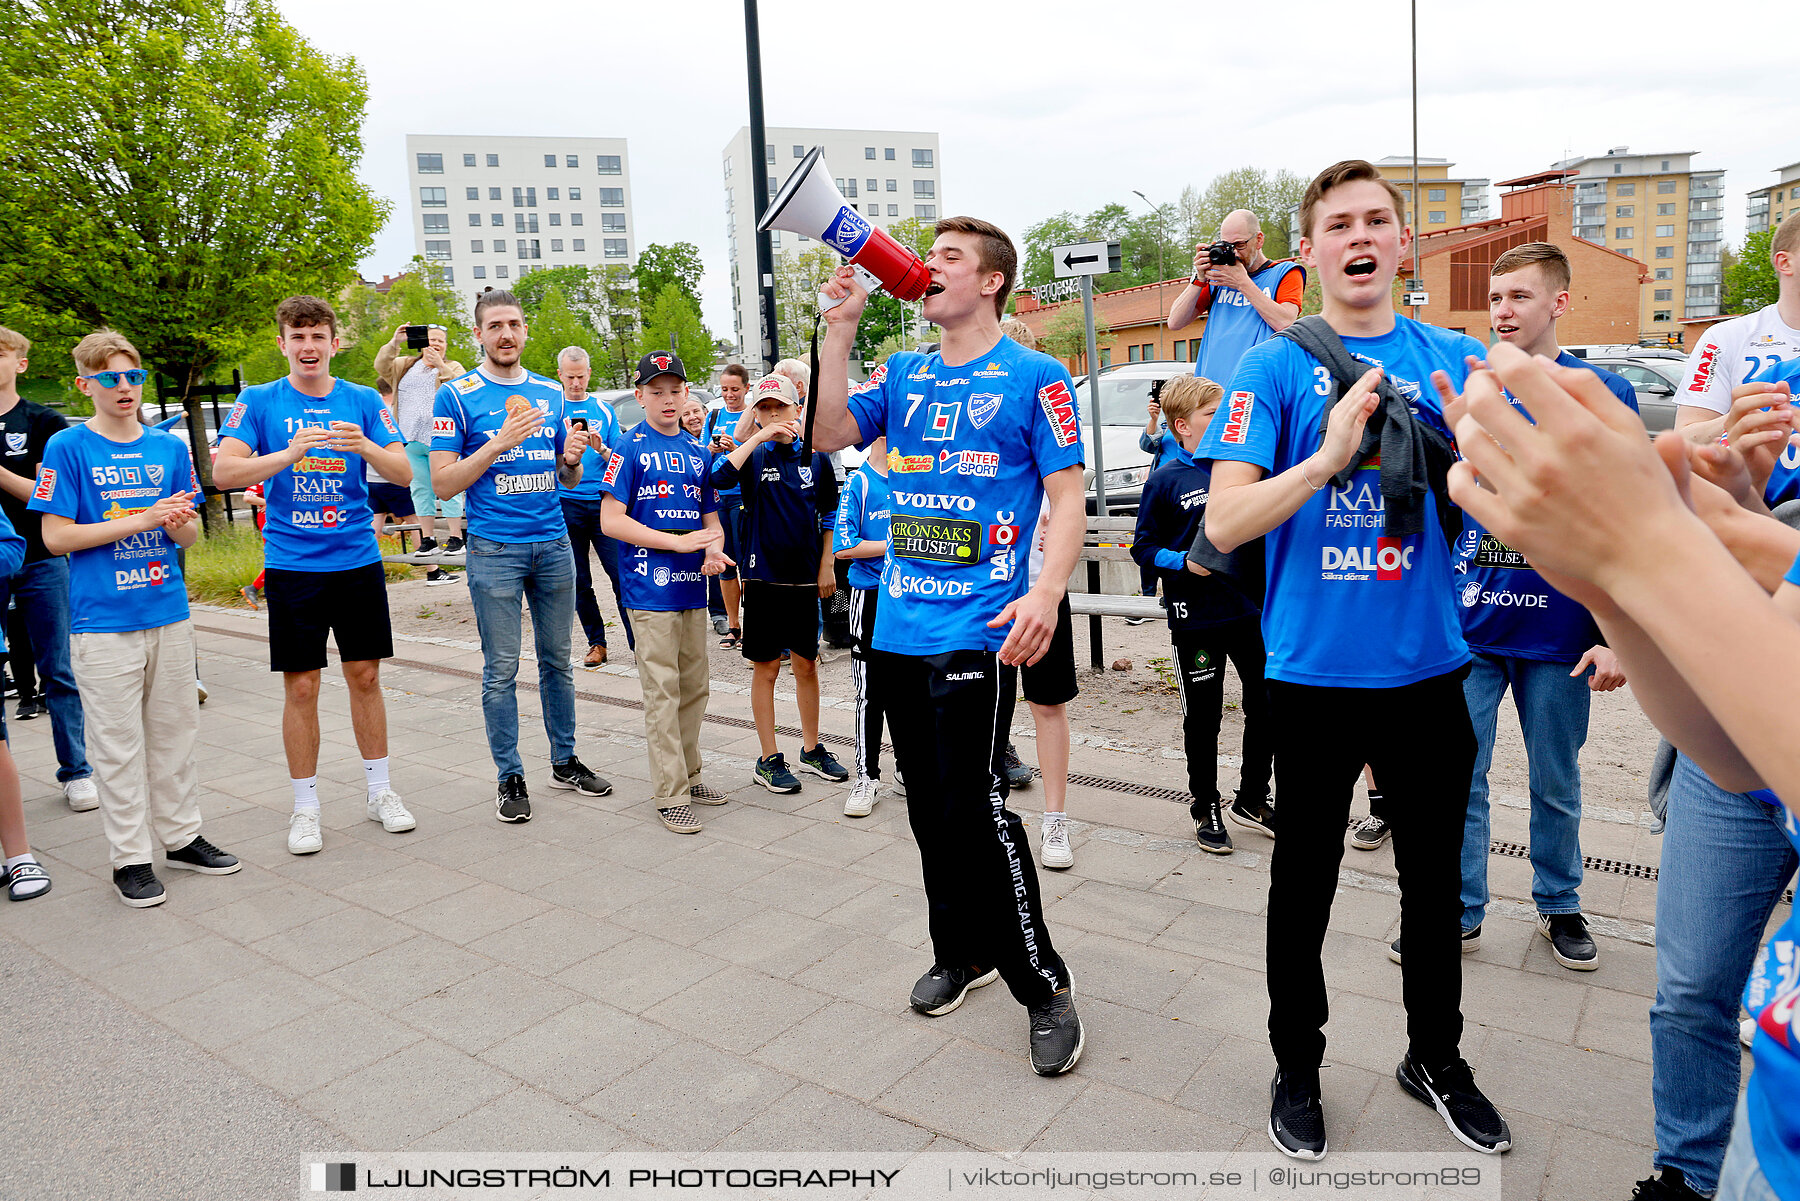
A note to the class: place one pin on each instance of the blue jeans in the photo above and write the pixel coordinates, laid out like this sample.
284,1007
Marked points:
543,573
1553,713
1724,864
583,519
42,592
1742,1177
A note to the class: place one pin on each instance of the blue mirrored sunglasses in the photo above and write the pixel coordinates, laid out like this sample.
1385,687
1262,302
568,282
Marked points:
110,379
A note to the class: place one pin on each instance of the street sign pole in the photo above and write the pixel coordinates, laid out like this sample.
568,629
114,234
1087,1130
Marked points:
1096,435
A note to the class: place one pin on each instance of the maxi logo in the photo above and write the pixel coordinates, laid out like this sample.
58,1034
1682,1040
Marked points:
935,539
872,383
1237,418
1059,407
46,485
1703,370
612,469
940,420
442,426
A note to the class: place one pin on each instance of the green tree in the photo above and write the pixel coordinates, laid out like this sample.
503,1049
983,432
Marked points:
799,274
1750,279
659,266
174,168
673,322
1066,335
554,326
1268,194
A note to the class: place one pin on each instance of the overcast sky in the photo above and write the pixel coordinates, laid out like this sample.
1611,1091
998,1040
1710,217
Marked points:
1062,105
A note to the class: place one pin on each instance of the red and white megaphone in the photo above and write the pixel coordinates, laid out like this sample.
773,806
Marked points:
809,204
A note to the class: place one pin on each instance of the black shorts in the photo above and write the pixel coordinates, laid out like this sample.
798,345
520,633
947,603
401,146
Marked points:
731,521
303,605
780,617
390,498
1051,680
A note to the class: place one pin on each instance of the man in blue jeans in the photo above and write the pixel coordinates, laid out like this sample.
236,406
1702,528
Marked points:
500,435
581,503
1527,636
41,586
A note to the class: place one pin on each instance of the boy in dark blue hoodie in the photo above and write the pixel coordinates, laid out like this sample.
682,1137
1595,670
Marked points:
1211,619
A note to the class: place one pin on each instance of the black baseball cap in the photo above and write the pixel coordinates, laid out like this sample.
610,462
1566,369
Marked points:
660,362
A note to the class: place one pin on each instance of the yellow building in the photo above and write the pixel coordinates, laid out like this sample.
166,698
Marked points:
1774,202
1658,210
1447,201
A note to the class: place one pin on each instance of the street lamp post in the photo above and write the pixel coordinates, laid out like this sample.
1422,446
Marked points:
1162,305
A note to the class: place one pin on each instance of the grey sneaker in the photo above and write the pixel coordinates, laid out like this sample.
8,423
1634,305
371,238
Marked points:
1370,833
1056,1034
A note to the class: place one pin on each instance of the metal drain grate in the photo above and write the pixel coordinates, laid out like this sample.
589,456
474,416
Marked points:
1180,796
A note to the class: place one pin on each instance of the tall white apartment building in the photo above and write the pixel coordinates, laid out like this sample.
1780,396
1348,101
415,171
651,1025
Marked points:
487,210
889,175
1768,206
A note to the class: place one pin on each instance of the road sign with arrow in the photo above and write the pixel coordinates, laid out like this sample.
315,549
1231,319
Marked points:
1085,258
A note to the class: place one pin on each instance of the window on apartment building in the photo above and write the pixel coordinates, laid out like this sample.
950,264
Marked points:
872,185
851,192
1131,354
1665,165
1627,189
552,193
580,245
893,210
574,218
496,218
1665,252
1665,187
1181,351
1665,273
437,223
1434,216
608,164
493,160
893,185
1627,251
476,245
493,193
432,198
925,212
921,159
614,248
769,154
571,161
1625,231
518,223
1665,231
1665,210
446,275
468,160
530,248
887,153
437,250
471,193
475,219
614,198
874,210
500,271
868,152
480,273
499,245
611,223
1625,210
1106,356
556,218
431,164
574,193
556,245
1618,168
518,198
799,151
924,189
1437,194
1664,294
549,160
1662,315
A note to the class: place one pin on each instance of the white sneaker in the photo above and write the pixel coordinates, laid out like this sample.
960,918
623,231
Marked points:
303,833
861,801
1056,852
82,794
1747,1031
200,687
897,786
385,807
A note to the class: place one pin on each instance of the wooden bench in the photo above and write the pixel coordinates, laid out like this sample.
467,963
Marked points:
436,559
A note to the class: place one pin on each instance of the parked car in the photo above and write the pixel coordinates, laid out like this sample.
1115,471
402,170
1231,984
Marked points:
1124,393
1655,380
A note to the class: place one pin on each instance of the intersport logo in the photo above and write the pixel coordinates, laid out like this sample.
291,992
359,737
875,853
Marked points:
935,501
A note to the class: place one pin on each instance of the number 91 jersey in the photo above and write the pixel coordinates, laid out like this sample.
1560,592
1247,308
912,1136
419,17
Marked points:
968,449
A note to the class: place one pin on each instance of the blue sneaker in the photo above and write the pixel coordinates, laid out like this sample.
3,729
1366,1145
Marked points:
772,773
819,762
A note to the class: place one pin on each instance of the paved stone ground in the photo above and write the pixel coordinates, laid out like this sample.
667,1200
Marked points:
592,982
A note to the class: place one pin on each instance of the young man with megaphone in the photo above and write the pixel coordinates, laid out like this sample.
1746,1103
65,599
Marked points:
979,431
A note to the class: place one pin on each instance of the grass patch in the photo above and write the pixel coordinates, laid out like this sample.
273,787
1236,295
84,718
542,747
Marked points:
219,566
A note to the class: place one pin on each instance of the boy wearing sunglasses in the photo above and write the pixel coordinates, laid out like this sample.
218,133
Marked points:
118,499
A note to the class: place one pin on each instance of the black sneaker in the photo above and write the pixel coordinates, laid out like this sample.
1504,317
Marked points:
437,577
1673,1186
1451,1091
138,886
202,856
31,707
943,988
428,547
1017,774
1256,815
821,762
772,773
1471,942
453,546
1296,1117
571,773
1370,833
1056,1034
1570,941
1209,826
512,804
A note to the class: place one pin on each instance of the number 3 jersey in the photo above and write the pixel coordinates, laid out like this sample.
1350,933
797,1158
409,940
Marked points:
515,500
1347,605
661,480
133,583
968,449
318,508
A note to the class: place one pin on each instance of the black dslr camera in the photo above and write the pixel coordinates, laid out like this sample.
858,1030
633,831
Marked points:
1222,254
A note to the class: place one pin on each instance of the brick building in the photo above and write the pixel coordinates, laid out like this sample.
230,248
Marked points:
1454,265
1136,319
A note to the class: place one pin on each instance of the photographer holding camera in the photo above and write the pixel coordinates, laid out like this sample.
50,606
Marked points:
1247,297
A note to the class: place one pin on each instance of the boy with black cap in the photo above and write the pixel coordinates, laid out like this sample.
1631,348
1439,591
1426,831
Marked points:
790,506
655,499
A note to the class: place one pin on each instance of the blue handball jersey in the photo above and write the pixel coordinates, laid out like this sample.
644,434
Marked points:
661,480
1506,607
318,508
600,420
862,516
134,582
1784,482
1347,606
515,500
970,447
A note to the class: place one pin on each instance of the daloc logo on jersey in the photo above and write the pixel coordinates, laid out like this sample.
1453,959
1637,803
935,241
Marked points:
982,407
940,425
1059,407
